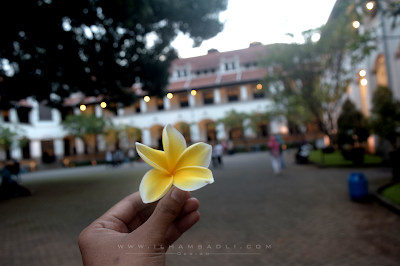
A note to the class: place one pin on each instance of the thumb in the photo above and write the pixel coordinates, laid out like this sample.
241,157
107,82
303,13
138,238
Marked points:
167,210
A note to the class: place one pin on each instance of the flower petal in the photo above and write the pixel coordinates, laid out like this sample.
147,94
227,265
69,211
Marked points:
192,178
174,144
155,184
153,157
198,154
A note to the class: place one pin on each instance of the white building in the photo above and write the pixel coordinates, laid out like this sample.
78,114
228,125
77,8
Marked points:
201,90
382,66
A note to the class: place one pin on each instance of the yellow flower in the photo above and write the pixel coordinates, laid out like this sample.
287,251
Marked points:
185,168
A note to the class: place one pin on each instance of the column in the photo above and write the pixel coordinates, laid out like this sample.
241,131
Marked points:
167,103
58,148
192,100
101,143
15,150
146,137
143,106
120,111
35,148
194,132
248,131
79,146
13,115
98,111
217,96
243,93
221,134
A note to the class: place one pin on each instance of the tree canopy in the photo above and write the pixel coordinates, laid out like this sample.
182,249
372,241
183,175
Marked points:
308,80
52,48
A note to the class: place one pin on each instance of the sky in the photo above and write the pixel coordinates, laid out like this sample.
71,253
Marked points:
264,21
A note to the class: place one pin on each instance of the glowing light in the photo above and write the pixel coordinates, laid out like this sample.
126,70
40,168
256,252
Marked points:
103,105
94,162
284,146
82,107
259,86
370,5
146,99
356,24
193,92
170,95
364,82
362,73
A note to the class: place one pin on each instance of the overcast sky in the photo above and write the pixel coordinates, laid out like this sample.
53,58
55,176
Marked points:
265,21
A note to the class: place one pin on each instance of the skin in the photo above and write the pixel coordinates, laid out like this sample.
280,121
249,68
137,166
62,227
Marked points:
131,222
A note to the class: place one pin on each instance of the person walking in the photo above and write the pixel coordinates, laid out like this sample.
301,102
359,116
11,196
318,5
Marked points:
273,146
217,152
281,143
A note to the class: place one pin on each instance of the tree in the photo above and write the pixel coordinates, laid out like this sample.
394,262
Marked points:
114,134
84,127
385,115
8,136
233,120
308,80
50,49
351,122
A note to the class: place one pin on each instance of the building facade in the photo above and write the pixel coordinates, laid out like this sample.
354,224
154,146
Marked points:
201,91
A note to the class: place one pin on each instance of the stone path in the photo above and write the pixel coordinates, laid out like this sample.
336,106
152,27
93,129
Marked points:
303,217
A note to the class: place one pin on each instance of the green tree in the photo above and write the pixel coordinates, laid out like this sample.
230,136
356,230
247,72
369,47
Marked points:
385,115
8,136
84,127
309,79
351,122
98,47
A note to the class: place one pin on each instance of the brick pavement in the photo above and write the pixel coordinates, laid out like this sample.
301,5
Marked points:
305,215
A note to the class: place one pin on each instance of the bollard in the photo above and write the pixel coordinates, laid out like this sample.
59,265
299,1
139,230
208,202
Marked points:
358,186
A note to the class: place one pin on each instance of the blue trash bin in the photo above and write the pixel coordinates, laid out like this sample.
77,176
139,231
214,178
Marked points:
358,186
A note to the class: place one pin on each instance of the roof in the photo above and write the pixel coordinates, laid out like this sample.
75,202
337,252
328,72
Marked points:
212,61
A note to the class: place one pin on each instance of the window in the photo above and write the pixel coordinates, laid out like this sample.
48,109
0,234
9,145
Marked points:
160,103
137,106
257,94
208,97
181,73
184,99
6,115
44,113
230,66
23,114
233,95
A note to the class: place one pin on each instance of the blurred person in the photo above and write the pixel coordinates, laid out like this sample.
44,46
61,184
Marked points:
303,152
131,155
109,159
10,188
16,170
230,147
281,143
131,222
217,153
273,146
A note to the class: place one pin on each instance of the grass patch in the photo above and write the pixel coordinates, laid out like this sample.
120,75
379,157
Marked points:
337,159
392,193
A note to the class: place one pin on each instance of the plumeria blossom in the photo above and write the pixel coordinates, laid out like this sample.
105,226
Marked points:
185,168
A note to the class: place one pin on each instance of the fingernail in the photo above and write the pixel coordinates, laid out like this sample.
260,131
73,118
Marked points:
178,195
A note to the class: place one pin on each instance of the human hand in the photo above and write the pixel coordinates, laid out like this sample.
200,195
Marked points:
148,229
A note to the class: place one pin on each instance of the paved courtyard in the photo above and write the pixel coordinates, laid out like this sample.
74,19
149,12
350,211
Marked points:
303,217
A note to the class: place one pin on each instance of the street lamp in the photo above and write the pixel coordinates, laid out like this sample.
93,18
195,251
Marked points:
364,82
259,86
146,99
103,105
193,92
370,5
356,24
82,107
170,95
362,73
